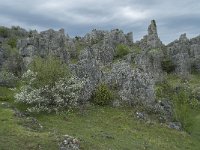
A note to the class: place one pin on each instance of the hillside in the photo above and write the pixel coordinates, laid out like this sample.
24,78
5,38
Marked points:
103,90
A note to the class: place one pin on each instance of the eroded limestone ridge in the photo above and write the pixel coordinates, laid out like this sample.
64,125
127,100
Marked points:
99,56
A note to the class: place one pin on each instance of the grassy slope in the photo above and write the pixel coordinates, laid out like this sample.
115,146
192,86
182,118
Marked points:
99,128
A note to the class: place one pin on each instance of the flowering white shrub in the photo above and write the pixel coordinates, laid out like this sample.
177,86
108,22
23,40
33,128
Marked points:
64,94
29,77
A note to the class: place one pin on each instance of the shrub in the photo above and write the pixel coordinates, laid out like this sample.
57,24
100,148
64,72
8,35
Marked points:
183,109
103,95
49,87
63,95
168,66
12,42
49,70
121,50
4,32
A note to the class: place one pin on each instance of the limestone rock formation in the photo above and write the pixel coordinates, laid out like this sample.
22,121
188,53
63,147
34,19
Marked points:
47,42
92,58
133,86
195,53
178,52
151,40
1,57
150,61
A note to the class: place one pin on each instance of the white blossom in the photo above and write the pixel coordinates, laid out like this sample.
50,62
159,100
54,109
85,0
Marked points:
64,94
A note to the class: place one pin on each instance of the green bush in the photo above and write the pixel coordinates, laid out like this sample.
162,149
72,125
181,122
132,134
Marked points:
103,95
49,70
121,50
12,42
4,32
183,109
168,66
48,86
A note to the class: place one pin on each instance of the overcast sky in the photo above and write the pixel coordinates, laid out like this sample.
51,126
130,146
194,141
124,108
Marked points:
78,17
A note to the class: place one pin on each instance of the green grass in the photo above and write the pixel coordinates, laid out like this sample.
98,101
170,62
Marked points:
15,137
113,128
98,128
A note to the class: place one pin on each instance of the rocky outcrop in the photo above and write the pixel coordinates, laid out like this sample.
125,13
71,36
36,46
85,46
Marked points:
132,77
133,86
178,51
47,42
104,43
151,40
151,55
195,53
150,61
1,57
87,67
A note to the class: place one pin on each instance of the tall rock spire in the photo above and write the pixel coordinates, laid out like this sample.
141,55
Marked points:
151,40
152,29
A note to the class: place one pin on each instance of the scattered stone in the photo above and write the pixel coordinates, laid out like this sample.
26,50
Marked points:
175,125
141,116
5,105
69,143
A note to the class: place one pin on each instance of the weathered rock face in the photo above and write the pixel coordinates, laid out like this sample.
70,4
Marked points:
133,76
1,57
178,52
151,41
133,86
104,43
150,61
94,37
195,53
115,37
87,67
152,53
47,42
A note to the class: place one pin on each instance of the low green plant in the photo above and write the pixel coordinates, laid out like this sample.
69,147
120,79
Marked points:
12,42
183,109
136,49
4,32
167,65
103,95
48,70
121,50
163,89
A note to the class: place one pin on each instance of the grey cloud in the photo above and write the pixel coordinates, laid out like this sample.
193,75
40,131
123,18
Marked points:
79,17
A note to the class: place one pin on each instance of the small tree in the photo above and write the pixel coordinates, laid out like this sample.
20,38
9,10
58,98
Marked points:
49,70
183,109
121,50
103,95
49,87
12,42
4,32
168,65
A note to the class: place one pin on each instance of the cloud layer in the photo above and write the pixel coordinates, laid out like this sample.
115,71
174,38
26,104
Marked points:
78,17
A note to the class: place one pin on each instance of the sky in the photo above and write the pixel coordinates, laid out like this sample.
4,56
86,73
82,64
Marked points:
78,17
